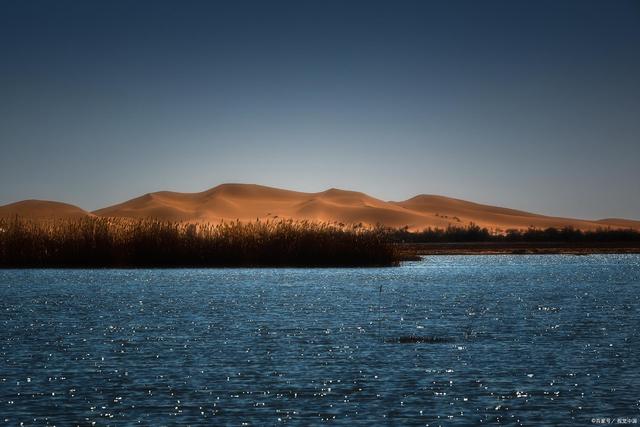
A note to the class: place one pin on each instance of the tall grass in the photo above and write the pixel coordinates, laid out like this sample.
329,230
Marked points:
117,242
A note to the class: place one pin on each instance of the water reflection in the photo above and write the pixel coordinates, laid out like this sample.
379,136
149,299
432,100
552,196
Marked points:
517,339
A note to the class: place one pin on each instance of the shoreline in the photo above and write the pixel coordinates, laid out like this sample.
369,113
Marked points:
410,250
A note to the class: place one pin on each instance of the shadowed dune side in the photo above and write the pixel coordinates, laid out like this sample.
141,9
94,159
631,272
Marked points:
42,209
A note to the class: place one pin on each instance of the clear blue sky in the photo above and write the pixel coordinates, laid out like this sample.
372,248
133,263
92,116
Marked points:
533,105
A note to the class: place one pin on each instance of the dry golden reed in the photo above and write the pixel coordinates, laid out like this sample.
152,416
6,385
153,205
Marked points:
122,242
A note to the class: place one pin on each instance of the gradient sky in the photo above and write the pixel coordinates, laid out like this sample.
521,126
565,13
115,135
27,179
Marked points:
530,105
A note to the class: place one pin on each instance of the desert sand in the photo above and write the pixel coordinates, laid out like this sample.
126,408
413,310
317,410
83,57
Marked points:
42,209
249,202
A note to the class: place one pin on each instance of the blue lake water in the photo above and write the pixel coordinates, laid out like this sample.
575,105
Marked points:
532,340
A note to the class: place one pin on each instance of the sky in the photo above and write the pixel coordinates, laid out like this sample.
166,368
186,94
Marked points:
530,105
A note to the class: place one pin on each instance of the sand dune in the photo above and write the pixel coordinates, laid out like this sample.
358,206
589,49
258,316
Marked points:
41,209
249,202
620,222
457,211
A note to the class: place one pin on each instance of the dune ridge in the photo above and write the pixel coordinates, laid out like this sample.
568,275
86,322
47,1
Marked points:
251,202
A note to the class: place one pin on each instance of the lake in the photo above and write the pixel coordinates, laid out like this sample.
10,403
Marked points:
531,340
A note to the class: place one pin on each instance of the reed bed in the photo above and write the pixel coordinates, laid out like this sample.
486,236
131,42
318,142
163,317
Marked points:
475,233
120,242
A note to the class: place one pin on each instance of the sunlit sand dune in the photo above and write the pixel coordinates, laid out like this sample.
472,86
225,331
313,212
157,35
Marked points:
42,209
249,202
461,212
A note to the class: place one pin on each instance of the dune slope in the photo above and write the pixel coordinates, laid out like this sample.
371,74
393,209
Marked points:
42,209
462,212
249,202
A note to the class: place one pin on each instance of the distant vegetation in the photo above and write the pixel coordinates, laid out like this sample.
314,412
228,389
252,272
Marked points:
108,242
119,242
474,233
